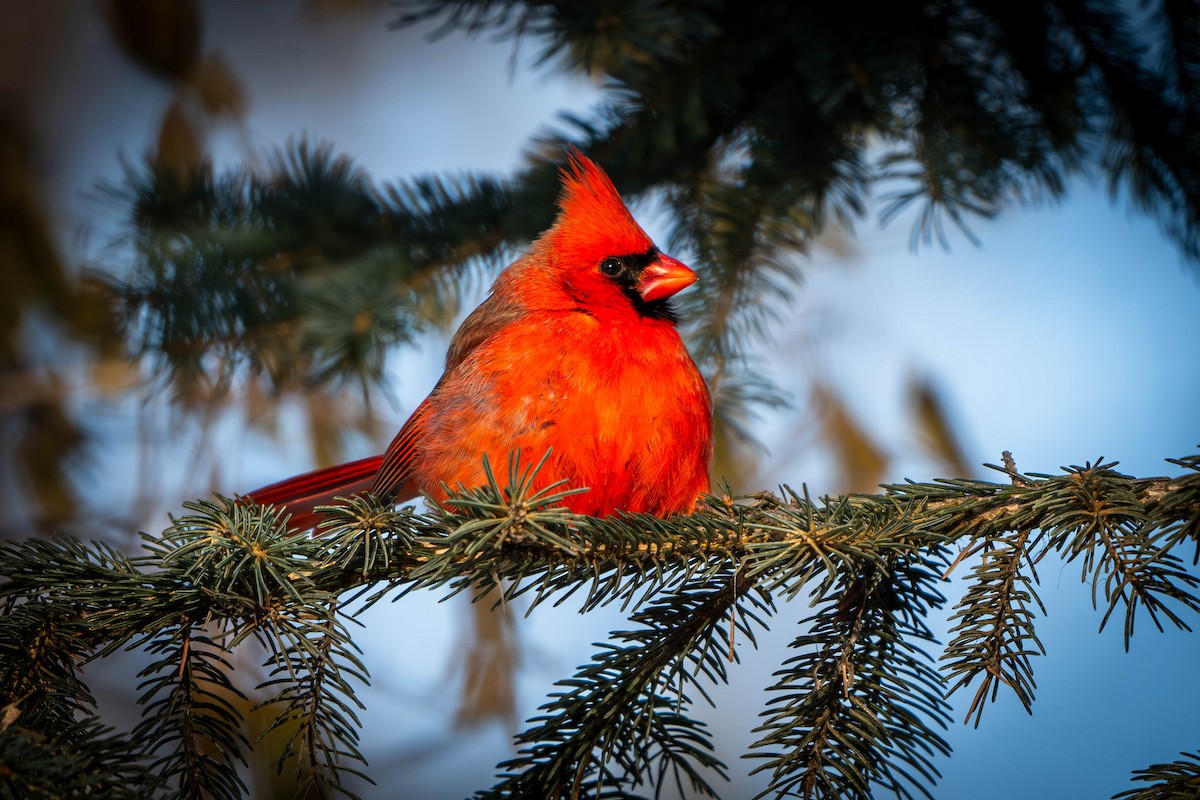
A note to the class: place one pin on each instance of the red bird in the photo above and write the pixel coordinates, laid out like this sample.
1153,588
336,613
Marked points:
575,352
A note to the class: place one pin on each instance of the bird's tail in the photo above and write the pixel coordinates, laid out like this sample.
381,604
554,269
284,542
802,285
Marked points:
302,493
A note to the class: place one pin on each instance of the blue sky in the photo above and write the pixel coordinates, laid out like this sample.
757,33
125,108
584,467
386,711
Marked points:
1066,336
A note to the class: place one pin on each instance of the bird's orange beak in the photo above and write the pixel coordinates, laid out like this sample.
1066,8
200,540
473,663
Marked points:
663,277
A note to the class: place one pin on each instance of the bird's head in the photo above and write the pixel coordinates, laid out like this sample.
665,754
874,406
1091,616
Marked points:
602,256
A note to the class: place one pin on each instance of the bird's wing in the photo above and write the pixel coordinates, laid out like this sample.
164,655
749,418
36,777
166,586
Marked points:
391,480
496,313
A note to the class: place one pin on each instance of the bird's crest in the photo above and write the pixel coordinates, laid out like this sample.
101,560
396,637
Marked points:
593,221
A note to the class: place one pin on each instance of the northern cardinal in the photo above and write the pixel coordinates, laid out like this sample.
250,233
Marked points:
575,352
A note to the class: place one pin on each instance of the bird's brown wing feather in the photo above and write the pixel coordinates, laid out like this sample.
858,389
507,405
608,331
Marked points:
492,316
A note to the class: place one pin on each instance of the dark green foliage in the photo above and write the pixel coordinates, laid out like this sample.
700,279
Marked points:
191,725
1179,780
622,719
994,637
1126,557
758,125
83,760
38,649
305,275
314,663
1120,549
856,711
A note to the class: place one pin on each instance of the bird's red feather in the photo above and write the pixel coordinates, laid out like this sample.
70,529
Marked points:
560,358
303,492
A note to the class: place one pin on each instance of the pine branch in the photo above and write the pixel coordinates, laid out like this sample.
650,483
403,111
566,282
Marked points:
188,711
1178,507
39,683
628,707
87,760
855,710
1179,780
316,659
994,637
246,557
1120,549
306,275
508,538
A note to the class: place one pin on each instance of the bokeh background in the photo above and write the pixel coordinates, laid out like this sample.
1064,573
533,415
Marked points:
1066,334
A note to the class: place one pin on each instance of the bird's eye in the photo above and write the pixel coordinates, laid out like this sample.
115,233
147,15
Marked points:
611,266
